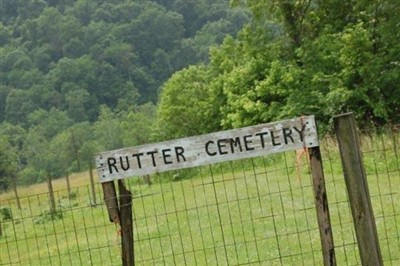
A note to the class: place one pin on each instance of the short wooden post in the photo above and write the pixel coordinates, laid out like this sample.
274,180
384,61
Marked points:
110,198
14,185
92,188
125,204
74,145
120,212
51,195
321,205
357,189
147,180
68,184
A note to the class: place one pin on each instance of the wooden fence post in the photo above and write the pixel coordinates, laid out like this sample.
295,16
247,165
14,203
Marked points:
147,180
357,189
321,205
68,184
14,185
125,208
110,198
121,213
51,195
92,188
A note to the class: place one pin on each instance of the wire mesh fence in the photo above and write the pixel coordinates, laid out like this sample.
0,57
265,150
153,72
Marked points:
245,212
77,233
380,151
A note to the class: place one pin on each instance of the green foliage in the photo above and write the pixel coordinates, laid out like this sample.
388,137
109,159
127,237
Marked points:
8,162
107,129
47,216
183,109
79,77
101,48
298,58
137,125
30,174
6,213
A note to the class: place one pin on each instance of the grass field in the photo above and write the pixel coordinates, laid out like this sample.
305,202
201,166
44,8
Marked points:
251,212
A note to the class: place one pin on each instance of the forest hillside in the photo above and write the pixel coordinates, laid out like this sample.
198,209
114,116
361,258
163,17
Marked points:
83,76
80,76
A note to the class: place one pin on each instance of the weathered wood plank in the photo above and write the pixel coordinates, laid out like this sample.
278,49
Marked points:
322,207
110,198
357,189
125,203
211,148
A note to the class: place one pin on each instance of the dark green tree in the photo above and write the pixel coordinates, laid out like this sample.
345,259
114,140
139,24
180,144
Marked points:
184,104
137,125
8,162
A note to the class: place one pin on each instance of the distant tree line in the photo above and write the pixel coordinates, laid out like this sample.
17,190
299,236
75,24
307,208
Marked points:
80,76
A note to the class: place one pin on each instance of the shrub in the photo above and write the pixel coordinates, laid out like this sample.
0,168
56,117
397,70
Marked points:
6,213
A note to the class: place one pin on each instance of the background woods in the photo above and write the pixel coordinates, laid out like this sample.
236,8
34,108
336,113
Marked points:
80,76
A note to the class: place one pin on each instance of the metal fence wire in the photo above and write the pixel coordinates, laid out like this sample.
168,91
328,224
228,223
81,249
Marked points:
248,212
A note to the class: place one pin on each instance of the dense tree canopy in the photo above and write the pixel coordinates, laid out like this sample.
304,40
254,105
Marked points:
70,66
303,57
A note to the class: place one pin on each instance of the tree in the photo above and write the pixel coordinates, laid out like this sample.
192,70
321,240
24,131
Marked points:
8,162
137,125
156,28
74,48
243,89
5,34
49,30
107,129
15,112
83,11
120,56
49,123
9,11
76,101
4,91
184,104
12,159
323,70
35,148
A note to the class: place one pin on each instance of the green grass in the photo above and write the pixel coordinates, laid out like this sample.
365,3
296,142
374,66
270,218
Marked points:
253,212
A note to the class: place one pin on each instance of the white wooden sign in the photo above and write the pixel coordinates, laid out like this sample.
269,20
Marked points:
253,141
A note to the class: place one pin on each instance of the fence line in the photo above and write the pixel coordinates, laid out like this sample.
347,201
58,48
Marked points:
250,211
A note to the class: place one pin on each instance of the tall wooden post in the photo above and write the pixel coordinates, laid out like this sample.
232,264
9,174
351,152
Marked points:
120,212
321,205
125,208
357,189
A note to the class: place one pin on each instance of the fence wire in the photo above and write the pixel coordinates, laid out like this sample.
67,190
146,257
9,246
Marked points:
248,212
77,233
244,212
